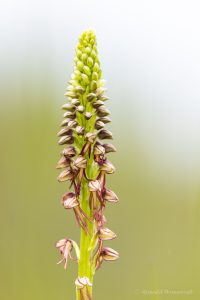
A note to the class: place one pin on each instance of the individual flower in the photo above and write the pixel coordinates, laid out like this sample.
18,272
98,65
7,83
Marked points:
106,254
70,201
65,246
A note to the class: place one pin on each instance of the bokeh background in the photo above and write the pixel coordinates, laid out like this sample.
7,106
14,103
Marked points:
150,58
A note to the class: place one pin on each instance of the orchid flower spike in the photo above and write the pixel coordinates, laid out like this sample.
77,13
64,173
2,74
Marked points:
84,165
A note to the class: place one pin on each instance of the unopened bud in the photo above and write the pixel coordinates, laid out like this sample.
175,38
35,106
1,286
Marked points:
86,70
106,234
105,119
88,50
105,134
101,82
68,106
70,88
97,103
65,131
103,98
80,108
85,79
72,123
77,74
99,124
65,175
91,97
95,76
93,53
93,85
100,91
84,57
65,122
78,53
107,167
69,114
72,82
102,111
96,67
87,115
75,102
79,89
67,139
69,152
70,94
109,148
62,163
79,65
90,61
80,130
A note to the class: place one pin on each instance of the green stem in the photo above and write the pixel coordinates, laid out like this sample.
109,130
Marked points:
86,240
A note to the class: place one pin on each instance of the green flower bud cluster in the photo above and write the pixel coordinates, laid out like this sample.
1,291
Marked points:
85,165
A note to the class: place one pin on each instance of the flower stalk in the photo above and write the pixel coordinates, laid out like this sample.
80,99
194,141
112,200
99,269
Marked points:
84,164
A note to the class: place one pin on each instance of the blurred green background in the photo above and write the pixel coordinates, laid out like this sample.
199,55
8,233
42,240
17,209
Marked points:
150,58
